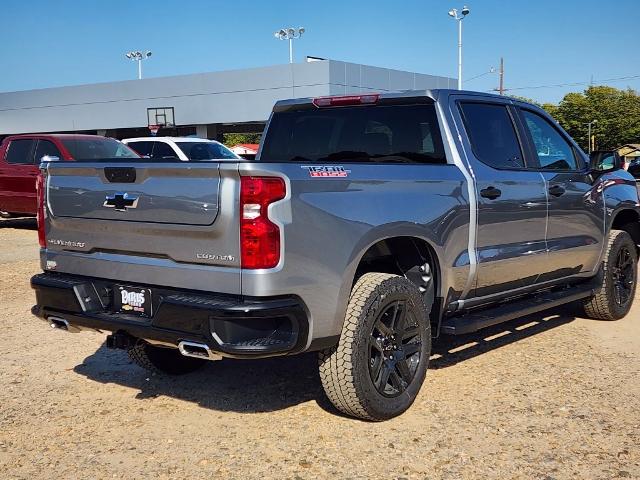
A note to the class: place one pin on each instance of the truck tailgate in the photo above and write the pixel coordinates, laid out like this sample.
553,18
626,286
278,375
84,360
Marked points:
157,193
130,221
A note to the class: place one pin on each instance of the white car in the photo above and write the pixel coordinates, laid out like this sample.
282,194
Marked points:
183,148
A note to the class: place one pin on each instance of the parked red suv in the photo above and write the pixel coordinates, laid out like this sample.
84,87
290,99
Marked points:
20,157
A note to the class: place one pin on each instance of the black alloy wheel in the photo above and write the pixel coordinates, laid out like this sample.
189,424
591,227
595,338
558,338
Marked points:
395,344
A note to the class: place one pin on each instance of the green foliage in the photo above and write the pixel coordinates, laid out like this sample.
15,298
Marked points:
231,139
617,113
525,99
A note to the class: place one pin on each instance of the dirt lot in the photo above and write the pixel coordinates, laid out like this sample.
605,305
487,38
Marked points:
547,397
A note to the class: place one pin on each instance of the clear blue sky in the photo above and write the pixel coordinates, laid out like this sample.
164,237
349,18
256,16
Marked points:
66,42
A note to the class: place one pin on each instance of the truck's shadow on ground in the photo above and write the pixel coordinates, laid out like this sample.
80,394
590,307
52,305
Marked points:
250,386
449,350
21,223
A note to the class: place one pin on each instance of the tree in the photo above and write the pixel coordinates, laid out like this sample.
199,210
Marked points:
231,139
617,113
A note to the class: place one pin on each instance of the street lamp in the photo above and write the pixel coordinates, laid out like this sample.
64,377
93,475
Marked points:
138,56
453,13
289,34
592,122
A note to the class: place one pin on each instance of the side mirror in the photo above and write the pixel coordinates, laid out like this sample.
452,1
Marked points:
50,158
602,161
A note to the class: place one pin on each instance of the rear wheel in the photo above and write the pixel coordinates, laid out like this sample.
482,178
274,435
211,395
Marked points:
163,360
615,294
376,370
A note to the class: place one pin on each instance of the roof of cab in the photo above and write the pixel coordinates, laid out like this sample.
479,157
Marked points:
434,94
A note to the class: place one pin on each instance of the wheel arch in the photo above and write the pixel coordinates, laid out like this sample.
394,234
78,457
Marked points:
627,219
413,248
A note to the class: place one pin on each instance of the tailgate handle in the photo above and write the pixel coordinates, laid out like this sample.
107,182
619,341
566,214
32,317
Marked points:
120,174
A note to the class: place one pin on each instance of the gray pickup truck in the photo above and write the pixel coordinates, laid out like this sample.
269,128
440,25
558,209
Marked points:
368,225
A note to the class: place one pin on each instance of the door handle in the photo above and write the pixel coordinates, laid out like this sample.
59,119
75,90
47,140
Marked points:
491,193
556,190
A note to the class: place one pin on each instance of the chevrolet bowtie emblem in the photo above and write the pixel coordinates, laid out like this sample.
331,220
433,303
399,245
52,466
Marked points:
121,201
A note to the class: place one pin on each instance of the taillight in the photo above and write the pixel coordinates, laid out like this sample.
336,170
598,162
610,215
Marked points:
346,100
41,210
259,237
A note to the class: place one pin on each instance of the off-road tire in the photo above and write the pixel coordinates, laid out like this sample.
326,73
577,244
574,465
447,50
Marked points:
603,305
163,360
344,369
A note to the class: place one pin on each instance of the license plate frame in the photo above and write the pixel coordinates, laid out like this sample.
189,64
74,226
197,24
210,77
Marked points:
131,300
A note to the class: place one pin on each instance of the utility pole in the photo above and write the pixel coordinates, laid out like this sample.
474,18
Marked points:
501,73
593,122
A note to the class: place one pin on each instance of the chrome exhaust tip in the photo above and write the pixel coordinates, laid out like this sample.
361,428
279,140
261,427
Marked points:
61,324
197,350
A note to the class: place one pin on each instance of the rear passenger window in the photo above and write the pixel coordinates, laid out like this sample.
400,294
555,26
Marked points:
48,149
553,151
162,150
20,152
492,135
141,148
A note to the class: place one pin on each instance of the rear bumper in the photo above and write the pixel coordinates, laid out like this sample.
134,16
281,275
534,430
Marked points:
234,326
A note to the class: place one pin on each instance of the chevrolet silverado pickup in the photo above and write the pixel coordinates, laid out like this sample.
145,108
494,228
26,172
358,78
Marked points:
368,225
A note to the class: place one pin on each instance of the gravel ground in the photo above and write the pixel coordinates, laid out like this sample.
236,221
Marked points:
546,397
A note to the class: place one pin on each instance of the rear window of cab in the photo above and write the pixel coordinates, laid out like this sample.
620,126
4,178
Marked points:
371,133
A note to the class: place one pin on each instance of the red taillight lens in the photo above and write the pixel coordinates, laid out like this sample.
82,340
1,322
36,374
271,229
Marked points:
41,211
345,100
259,237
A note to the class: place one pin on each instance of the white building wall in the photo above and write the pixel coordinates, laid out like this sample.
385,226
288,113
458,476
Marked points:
236,96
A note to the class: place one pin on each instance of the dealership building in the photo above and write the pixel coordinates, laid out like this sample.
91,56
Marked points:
204,104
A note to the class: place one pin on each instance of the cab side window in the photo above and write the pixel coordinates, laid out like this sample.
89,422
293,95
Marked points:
141,148
552,150
162,150
46,148
21,152
492,135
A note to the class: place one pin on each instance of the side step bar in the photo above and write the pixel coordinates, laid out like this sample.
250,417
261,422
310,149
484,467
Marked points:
474,321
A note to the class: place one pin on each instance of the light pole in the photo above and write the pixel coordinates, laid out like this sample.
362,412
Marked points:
138,56
453,13
289,34
592,122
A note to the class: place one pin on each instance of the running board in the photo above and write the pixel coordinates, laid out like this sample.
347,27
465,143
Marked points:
474,321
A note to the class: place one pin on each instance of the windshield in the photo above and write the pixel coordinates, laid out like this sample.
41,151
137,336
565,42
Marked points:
206,151
97,148
391,133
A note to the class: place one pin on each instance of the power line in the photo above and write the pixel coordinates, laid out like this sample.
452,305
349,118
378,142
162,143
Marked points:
574,84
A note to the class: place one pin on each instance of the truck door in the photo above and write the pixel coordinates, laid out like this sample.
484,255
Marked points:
18,177
511,198
576,227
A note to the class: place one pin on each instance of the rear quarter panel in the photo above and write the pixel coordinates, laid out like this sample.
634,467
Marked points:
329,223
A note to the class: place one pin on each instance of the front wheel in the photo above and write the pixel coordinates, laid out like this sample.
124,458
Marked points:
376,370
617,289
